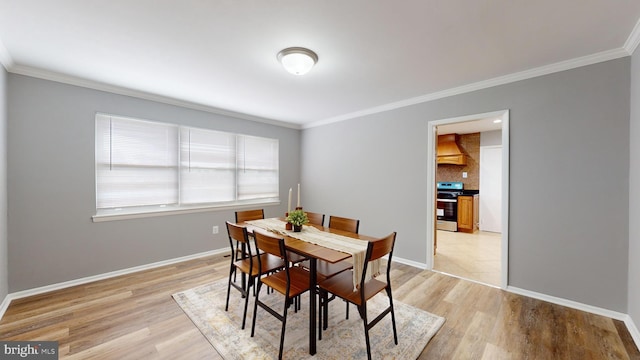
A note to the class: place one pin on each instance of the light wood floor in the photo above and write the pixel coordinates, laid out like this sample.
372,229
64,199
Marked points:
134,317
471,256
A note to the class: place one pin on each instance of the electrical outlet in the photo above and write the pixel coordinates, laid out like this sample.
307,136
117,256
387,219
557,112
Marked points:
215,229
464,174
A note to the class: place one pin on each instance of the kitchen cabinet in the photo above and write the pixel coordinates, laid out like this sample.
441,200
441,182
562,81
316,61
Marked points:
468,213
452,159
448,151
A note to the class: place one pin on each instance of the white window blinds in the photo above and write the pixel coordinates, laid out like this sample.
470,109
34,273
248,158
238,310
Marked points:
136,163
257,167
207,166
142,163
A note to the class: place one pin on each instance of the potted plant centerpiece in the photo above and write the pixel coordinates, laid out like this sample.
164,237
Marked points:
297,218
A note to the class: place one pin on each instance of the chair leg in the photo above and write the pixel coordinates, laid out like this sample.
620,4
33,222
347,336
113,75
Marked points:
231,272
366,336
255,309
363,313
347,311
393,315
246,303
284,326
325,311
235,257
320,310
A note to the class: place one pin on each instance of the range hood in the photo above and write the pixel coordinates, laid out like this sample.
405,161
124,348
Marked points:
449,152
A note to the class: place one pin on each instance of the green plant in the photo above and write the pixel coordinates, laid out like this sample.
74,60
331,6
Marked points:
297,218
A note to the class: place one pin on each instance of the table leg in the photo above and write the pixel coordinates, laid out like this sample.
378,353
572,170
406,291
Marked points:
312,305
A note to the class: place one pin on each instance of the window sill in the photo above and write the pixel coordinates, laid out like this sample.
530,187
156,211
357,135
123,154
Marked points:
114,215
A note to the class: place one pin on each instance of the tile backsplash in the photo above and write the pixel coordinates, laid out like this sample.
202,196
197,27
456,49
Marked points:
470,144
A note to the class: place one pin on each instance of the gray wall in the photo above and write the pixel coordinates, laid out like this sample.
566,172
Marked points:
569,150
4,277
634,193
51,186
491,138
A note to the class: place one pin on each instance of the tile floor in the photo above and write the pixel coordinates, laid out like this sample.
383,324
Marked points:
470,256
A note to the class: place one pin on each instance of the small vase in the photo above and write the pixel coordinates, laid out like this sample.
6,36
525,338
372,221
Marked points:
297,228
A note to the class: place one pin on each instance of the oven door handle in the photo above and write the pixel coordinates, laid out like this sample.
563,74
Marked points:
448,200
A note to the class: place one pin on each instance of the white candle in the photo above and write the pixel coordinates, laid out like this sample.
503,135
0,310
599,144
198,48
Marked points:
289,203
298,195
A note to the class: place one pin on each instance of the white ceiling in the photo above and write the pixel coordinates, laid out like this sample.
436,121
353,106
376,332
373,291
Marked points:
220,55
470,127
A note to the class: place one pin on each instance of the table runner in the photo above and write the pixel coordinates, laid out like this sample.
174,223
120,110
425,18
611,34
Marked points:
357,248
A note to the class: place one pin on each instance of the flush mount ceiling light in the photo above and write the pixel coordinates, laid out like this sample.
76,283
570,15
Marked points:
297,60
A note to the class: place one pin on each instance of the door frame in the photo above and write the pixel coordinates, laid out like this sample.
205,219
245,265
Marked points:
431,185
483,150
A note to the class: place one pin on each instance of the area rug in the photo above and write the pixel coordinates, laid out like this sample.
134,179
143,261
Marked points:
344,339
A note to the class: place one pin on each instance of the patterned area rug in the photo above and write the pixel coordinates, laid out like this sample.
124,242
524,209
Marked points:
344,339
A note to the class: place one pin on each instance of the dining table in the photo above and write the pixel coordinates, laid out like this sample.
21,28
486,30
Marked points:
313,251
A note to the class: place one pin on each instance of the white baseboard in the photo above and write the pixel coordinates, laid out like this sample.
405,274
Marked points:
5,305
633,330
631,326
569,303
628,321
85,280
410,263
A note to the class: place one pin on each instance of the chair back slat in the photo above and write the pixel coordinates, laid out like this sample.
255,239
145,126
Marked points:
375,250
246,215
242,249
315,218
269,244
237,232
345,224
382,247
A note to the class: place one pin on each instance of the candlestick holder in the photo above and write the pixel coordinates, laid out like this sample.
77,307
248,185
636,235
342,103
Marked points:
287,225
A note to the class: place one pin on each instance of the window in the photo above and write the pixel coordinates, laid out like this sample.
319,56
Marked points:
144,166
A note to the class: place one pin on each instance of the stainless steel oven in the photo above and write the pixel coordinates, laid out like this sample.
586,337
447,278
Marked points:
447,205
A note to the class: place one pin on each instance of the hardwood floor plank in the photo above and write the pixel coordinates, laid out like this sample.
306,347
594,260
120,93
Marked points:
474,341
129,346
134,317
492,352
49,333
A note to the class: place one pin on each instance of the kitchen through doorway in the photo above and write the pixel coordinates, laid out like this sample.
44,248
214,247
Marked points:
468,182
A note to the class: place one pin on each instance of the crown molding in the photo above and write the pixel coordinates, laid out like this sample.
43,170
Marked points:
506,79
633,40
629,47
5,58
95,85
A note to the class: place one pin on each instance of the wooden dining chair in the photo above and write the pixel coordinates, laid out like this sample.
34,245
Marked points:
246,215
324,269
315,218
249,264
341,286
291,281
346,224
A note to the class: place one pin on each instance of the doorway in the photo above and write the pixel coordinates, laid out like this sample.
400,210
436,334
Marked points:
488,241
491,188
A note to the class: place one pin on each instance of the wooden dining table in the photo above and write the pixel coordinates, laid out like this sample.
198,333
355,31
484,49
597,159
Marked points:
314,253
